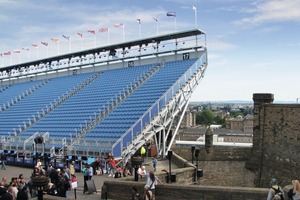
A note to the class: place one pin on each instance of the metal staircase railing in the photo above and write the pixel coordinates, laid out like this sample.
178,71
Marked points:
130,89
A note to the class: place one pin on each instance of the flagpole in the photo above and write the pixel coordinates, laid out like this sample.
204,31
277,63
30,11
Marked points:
69,45
175,23
140,28
108,36
47,51
195,11
94,40
123,32
155,19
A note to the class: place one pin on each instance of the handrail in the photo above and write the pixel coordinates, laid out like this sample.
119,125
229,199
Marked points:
161,102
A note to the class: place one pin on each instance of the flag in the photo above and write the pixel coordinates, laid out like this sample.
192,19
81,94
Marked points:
119,25
17,51
139,21
103,29
67,37
56,40
7,53
171,14
80,34
1,54
35,45
155,19
194,8
91,31
44,43
26,48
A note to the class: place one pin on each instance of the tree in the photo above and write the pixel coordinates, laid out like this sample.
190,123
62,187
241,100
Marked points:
205,117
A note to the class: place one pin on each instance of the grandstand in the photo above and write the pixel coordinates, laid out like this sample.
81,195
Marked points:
108,99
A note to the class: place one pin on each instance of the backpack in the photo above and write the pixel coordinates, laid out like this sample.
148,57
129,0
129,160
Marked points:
278,193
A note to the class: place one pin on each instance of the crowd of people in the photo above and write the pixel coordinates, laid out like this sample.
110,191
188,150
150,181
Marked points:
61,179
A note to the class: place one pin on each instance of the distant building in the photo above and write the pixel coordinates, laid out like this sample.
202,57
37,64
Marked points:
244,124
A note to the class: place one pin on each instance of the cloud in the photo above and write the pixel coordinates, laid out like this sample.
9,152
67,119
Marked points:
274,10
220,45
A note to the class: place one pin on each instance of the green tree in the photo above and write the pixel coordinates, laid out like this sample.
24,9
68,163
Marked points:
219,120
206,117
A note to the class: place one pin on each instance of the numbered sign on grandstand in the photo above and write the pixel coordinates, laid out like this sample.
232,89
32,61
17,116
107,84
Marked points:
186,56
74,71
130,63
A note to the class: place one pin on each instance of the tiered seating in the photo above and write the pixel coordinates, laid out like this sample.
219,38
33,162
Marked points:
15,90
123,117
77,110
20,112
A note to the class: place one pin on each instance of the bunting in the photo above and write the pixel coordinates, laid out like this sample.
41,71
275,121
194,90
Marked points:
103,29
119,25
91,31
80,34
44,43
171,14
56,40
66,37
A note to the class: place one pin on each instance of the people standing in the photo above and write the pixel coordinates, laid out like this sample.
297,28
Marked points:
102,164
85,178
72,168
275,190
3,160
90,172
154,162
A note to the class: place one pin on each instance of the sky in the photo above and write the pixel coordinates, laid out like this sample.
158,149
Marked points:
253,46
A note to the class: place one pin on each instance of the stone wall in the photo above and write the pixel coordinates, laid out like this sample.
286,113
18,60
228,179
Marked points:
121,190
276,141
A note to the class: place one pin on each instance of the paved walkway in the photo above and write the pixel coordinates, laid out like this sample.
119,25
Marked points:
12,171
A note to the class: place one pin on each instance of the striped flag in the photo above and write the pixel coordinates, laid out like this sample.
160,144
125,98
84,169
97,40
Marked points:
91,31
66,37
56,40
103,29
7,53
26,48
171,14
35,45
80,34
17,51
44,43
119,25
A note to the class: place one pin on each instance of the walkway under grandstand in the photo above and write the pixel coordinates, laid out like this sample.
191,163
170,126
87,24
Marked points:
113,98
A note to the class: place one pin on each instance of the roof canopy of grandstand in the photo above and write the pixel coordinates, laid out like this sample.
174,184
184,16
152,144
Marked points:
125,46
113,98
